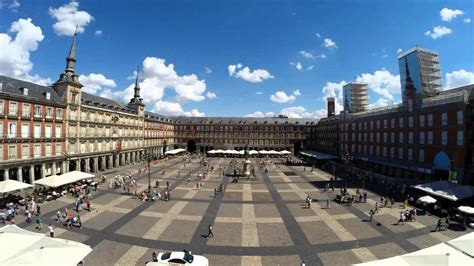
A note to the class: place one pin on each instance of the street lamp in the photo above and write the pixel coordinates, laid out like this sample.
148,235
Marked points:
149,157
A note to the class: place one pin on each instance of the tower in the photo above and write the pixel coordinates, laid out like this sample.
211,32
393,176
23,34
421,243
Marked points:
356,97
136,103
331,106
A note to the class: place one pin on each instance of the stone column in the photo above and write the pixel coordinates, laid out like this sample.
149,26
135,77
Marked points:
6,174
122,161
111,161
103,164
88,165
78,165
53,168
43,170
32,174
20,174
96,164
64,167
116,161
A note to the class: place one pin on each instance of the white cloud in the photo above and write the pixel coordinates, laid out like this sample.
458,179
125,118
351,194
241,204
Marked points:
399,50
15,52
381,82
208,70
68,17
330,44
466,20
98,33
211,95
95,83
318,35
459,78
332,89
296,112
259,93
438,32
381,102
297,65
174,109
297,93
449,14
306,54
281,97
310,67
322,56
260,114
15,4
253,76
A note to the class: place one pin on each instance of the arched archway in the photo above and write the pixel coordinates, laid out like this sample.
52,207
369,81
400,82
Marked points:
297,147
441,166
191,147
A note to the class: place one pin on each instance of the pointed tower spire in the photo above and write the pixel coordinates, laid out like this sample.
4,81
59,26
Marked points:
137,84
71,59
408,80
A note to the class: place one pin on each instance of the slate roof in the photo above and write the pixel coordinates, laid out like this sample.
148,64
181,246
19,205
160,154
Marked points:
35,91
90,99
246,120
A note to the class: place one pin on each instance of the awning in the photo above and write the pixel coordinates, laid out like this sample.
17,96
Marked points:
447,190
12,185
175,151
427,199
23,247
60,180
464,243
285,152
318,155
467,210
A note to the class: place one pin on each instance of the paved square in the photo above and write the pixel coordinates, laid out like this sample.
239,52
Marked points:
255,222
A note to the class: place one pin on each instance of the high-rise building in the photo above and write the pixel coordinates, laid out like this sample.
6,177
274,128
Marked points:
331,106
356,97
424,68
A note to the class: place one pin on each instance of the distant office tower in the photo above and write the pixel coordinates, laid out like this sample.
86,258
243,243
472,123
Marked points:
331,106
424,72
356,97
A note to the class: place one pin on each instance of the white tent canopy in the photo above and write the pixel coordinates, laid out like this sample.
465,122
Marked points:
175,151
427,199
28,248
252,152
464,243
285,152
447,190
12,185
466,209
60,180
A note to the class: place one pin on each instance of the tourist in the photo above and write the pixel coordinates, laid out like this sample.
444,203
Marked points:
154,256
58,216
51,231
328,204
210,233
439,226
365,196
39,226
157,183
88,203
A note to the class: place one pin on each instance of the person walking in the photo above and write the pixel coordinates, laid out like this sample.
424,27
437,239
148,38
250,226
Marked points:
210,233
88,203
51,231
328,204
39,226
439,226
371,213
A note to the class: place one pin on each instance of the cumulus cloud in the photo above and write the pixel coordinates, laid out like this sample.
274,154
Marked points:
98,33
466,20
382,82
449,14
459,78
261,114
253,76
208,70
282,97
310,67
15,52
174,109
330,44
297,65
15,4
259,93
211,95
399,50
438,32
94,83
296,112
381,102
68,17
332,89
306,54
318,35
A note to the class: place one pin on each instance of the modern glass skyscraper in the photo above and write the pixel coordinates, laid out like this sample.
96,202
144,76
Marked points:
424,69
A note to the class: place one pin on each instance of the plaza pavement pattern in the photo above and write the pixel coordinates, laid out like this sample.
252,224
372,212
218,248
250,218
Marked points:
255,222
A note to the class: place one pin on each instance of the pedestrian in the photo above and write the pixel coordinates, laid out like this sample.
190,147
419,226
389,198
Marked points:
328,204
365,196
157,183
51,231
371,213
210,233
392,201
167,184
439,226
154,256
28,217
39,226
38,210
88,203
303,263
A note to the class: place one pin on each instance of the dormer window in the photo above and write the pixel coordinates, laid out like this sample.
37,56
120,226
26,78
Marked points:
25,91
48,96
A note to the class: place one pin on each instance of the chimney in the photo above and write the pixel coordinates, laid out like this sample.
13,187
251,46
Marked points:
331,106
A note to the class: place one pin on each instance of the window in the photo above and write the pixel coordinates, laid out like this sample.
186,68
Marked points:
1,131
422,137
58,131
378,137
430,137
410,154
73,97
385,137
25,152
460,117
444,138
422,120
392,123
392,152
37,111
378,124
410,137
57,149
392,137
48,131
47,150
25,130
400,153
444,119
12,152
26,110
430,120
49,112
59,113
2,107
400,137
377,150
37,151
410,121
12,130
460,138
1,152
13,108
37,131
421,155
400,122
371,124
410,105
385,123
384,151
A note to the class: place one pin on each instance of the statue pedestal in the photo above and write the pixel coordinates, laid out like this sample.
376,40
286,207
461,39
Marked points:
246,171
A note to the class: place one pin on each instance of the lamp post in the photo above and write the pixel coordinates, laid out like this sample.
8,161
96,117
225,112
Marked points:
149,157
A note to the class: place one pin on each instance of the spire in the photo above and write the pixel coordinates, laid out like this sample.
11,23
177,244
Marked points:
408,80
137,85
71,59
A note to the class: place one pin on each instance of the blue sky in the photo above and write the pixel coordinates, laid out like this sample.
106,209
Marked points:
235,58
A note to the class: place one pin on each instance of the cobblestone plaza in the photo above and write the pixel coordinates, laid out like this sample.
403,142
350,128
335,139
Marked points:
256,222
